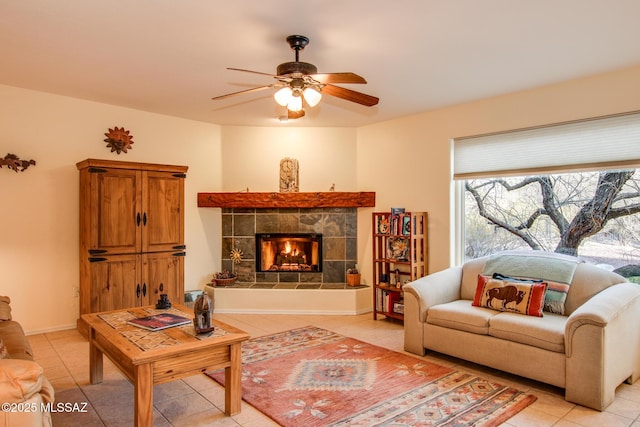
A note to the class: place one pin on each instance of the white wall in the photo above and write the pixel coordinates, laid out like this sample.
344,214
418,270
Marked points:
251,157
39,211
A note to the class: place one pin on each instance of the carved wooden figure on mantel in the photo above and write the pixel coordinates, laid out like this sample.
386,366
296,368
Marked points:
289,176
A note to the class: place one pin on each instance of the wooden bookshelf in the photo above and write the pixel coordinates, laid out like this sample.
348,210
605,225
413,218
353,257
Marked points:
400,255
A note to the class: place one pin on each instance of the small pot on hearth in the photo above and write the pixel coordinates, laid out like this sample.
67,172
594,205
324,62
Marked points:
353,277
224,278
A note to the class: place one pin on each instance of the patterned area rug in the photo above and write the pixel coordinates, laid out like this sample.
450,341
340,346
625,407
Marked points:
314,377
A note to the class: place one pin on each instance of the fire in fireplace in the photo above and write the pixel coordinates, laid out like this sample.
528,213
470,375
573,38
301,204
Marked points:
297,252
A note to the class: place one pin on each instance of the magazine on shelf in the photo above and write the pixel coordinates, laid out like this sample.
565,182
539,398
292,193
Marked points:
160,321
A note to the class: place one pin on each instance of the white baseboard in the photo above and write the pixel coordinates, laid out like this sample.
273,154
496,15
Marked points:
48,330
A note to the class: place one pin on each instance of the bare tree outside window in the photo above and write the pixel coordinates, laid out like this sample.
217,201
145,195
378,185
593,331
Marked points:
593,215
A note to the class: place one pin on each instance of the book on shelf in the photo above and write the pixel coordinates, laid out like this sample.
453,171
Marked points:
386,301
394,221
399,224
406,225
389,302
159,321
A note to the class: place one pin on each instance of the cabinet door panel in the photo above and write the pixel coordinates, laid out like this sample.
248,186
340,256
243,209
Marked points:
164,272
163,222
115,208
114,282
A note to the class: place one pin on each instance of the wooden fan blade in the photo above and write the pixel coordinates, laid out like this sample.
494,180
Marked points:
255,89
295,114
338,78
253,72
350,95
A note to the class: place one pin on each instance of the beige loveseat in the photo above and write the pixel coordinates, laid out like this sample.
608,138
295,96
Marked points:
24,390
589,350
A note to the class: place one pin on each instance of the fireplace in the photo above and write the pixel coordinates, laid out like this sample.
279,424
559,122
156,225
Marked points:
289,252
339,246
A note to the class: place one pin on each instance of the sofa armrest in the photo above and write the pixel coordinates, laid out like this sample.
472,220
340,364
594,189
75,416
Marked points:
20,380
419,295
23,382
618,302
602,345
436,288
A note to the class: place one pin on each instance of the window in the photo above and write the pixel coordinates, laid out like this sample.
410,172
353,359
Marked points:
572,188
593,215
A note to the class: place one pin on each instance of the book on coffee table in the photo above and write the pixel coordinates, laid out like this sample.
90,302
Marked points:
160,321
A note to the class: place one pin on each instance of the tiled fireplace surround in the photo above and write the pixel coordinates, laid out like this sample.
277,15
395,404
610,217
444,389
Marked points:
338,227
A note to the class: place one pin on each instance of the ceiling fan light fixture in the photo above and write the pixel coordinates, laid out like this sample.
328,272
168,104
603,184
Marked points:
295,104
283,96
300,83
312,96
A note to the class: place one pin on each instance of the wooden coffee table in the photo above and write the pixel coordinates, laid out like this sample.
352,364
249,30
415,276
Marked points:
149,358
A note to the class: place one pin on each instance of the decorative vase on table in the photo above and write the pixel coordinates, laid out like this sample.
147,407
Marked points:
203,314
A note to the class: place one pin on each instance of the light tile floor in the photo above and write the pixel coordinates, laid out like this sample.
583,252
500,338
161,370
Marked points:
199,401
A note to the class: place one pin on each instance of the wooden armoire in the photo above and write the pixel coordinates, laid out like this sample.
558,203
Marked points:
131,234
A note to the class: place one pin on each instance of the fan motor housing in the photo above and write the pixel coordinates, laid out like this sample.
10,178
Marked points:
296,67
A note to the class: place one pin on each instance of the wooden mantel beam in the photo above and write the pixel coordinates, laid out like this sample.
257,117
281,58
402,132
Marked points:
331,199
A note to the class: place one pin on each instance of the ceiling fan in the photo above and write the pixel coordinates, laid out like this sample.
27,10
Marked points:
300,83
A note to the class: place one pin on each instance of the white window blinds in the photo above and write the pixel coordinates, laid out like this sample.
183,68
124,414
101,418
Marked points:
611,142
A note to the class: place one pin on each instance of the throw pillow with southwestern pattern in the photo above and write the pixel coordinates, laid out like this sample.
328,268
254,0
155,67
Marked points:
554,297
510,295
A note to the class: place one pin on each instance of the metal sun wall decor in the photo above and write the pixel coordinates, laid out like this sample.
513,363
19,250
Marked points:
13,162
118,139
236,255
289,176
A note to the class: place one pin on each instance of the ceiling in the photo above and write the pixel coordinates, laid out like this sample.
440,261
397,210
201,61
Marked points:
170,57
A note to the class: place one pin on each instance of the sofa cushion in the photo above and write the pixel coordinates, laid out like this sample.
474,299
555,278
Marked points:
5,308
461,315
470,271
510,295
543,332
15,340
587,282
